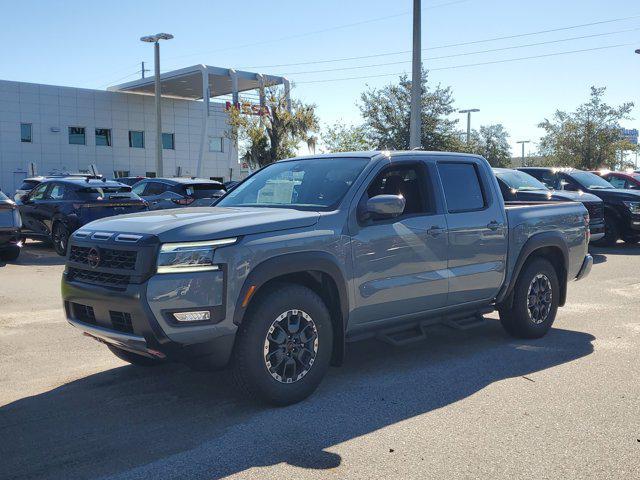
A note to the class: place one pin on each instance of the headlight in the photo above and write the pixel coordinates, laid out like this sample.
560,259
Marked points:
189,257
634,207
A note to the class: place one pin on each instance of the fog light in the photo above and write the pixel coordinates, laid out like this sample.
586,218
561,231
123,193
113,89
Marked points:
192,316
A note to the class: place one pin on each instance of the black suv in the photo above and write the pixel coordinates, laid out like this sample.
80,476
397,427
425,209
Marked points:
57,207
162,193
621,207
519,186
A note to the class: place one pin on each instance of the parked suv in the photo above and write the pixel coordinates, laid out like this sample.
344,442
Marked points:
59,206
621,207
10,237
163,193
624,180
517,186
30,183
308,254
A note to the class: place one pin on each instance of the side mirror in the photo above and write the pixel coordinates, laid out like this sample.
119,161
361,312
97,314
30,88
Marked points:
25,198
385,206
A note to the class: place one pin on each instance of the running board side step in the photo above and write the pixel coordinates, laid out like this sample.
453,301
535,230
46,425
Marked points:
464,323
402,336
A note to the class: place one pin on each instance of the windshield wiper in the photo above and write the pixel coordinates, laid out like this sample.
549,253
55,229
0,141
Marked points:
600,187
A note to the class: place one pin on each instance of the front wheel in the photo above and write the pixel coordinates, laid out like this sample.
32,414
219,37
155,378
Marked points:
60,238
535,301
611,234
284,345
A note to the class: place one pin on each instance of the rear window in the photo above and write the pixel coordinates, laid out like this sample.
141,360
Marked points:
462,189
204,190
29,185
99,193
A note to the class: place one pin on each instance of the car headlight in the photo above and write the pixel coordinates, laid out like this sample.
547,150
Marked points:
634,207
189,256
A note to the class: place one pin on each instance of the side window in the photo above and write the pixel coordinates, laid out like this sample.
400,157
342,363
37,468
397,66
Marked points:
56,192
38,192
154,188
138,189
616,181
462,187
408,181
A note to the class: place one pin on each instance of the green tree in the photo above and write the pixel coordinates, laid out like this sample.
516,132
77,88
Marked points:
386,114
345,138
492,142
589,138
276,133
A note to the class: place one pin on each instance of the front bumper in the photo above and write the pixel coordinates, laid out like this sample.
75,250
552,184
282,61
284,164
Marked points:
585,269
138,319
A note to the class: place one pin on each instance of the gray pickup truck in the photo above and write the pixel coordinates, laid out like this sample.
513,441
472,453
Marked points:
308,254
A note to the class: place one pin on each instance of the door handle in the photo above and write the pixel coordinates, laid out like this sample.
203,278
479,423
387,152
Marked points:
435,230
493,225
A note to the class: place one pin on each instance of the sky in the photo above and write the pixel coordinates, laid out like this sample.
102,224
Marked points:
94,44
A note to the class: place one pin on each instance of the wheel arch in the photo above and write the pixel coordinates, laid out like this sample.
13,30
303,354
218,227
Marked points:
318,271
548,245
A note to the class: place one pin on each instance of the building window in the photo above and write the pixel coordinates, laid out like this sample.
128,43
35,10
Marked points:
136,139
120,173
76,136
215,144
25,133
168,142
150,174
103,137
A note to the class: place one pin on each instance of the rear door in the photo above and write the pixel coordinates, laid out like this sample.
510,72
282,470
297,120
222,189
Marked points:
399,264
477,231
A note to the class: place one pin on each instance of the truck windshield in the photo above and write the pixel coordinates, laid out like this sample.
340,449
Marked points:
590,180
314,184
520,181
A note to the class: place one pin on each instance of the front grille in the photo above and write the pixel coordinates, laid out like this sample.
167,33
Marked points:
109,258
111,280
121,321
595,209
84,313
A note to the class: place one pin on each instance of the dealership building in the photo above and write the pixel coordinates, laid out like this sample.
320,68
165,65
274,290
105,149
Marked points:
53,129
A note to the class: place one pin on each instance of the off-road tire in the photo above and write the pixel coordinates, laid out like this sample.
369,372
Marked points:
135,359
518,320
249,366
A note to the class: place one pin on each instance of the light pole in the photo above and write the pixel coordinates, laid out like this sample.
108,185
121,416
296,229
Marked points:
523,142
155,39
469,112
415,127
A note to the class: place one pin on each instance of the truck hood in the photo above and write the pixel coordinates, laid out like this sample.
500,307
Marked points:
617,194
560,195
205,223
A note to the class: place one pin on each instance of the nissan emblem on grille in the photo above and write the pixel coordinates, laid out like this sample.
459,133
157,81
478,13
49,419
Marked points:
93,258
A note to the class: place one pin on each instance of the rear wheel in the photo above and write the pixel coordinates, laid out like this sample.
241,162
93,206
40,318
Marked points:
611,234
60,238
10,254
284,345
133,358
535,301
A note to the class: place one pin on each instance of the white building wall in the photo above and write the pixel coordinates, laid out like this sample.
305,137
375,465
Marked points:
49,108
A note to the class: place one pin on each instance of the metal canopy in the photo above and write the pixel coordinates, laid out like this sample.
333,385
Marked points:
188,82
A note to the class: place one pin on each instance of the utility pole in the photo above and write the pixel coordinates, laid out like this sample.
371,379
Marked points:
469,112
143,70
155,39
415,127
523,142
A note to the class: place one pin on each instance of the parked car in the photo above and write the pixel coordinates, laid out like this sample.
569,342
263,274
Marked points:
10,236
131,181
621,207
30,183
58,206
624,180
517,186
308,254
163,193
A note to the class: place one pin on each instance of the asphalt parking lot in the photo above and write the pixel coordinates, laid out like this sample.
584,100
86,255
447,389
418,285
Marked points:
471,404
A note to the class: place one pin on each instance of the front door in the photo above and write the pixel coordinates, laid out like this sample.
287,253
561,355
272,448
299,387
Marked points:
477,232
400,264
31,210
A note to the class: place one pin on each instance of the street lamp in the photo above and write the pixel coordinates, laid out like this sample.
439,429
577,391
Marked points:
469,112
155,39
523,142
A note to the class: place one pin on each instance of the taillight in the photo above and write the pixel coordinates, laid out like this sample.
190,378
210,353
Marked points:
183,201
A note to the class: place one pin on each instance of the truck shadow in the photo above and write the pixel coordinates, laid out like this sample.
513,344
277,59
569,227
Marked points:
169,422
